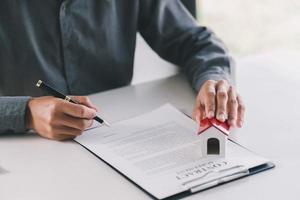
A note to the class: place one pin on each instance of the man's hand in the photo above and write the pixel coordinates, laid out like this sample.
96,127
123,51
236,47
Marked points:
219,99
58,119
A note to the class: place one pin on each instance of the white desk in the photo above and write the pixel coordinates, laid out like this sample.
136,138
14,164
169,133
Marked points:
43,169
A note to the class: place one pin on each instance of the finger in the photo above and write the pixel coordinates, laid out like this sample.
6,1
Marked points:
209,100
77,123
232,106
202,112
198,114
85,101
62,137
241,112
222,97
64,132
77,110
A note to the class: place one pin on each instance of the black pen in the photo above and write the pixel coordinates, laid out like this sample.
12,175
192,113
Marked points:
44,86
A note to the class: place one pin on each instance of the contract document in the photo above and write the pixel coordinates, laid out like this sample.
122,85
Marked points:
160,152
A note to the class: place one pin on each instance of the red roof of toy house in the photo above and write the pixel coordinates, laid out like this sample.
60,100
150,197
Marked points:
207,123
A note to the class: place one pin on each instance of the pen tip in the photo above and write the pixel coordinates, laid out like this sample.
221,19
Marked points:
106,123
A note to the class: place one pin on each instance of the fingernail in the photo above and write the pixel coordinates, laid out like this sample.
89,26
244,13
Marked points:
240,123
221,117
211,114
95,108
197,119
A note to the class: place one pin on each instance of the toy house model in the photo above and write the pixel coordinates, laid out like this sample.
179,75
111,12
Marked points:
213,136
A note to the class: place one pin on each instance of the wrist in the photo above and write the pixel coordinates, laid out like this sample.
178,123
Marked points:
28,115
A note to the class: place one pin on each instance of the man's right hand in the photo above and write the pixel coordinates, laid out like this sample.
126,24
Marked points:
58,119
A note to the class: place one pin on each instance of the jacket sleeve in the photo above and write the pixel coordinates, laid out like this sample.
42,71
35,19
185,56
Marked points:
12,114
176,36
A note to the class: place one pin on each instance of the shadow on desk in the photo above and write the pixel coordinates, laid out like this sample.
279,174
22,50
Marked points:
13,135
3,171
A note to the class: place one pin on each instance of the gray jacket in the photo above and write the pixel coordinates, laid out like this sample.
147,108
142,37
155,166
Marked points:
86,46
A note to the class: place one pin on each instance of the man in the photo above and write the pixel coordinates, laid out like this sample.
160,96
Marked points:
87,46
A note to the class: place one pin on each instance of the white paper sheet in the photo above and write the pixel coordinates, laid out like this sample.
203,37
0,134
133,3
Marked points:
160,151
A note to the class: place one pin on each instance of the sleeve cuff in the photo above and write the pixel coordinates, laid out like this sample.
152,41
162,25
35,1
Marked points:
13,114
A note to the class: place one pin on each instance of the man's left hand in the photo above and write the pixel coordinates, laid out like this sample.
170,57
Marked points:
219,99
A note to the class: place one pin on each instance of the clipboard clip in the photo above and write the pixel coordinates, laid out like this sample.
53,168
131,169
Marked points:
221,176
